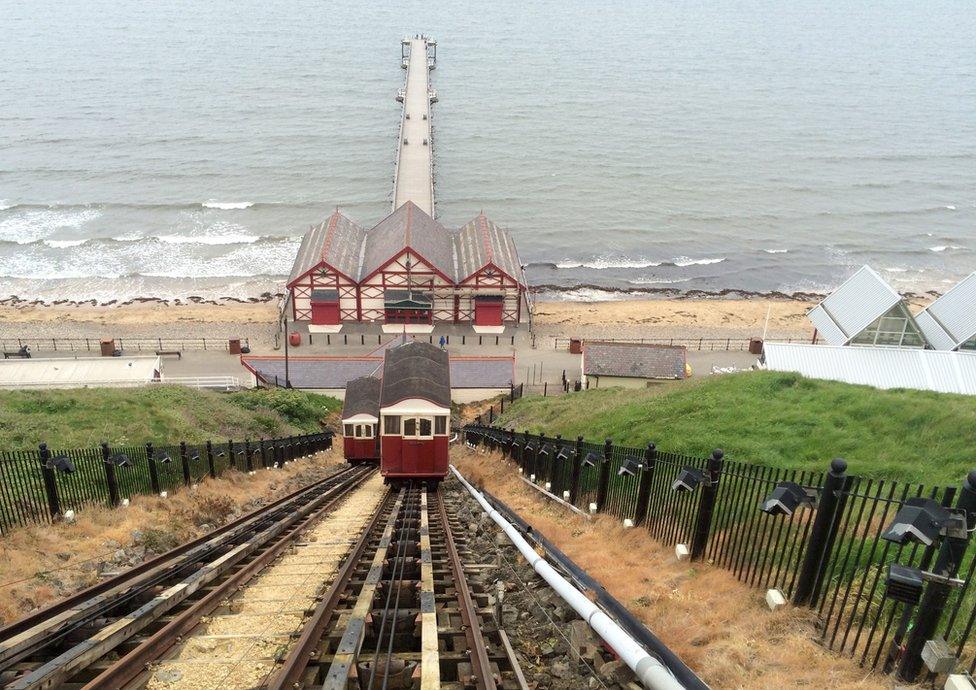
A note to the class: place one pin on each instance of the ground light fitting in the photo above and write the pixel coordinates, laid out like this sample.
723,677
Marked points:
688,479
61,463
922,520
546,451
120,460
529,448
163,457
562,455
785,498
195,457
630,467
904,583
590,460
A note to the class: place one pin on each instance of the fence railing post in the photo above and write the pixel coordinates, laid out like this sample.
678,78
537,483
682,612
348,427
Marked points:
153,469
491,415
822,535
928,615
706,506
644,484
50,483
555,475
604,484
113,483
539,468
264,452
247,455
185,463
574,482
231,460
211,467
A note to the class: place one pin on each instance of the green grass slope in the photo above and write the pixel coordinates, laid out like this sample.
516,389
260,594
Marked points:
776,419
86,417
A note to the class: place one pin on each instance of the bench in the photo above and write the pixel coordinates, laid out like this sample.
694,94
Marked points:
17,353
162,353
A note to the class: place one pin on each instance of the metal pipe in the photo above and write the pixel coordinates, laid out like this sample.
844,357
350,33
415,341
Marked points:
650,671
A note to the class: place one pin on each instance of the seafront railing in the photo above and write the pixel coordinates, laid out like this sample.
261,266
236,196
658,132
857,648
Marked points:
39,486
134,344
888,566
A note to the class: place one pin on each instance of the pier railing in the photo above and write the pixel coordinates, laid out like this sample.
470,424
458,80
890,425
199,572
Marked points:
38,486
876,559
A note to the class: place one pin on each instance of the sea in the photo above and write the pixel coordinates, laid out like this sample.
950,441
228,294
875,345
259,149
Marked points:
634,148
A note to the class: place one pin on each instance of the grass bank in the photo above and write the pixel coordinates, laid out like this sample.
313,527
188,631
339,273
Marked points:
776,419
86,417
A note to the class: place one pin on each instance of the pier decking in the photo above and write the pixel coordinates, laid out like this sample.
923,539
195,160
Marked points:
414,177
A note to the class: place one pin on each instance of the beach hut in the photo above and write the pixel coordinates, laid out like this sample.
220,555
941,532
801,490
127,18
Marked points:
949,323
415,413
631,365
865,310
360,417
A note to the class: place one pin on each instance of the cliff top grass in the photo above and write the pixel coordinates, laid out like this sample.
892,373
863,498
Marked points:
123,416
775,419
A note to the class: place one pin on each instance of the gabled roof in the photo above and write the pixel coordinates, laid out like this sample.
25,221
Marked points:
416,370
854,306
362,397
950,320
336,242
480,243
633,360
408,226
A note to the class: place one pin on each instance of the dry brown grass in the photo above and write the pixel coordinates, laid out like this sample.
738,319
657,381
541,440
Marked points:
719,626
40,564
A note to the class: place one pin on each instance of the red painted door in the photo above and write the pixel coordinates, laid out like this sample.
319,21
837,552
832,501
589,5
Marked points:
325,313
488,312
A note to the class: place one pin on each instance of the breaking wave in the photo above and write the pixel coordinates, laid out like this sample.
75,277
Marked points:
228,205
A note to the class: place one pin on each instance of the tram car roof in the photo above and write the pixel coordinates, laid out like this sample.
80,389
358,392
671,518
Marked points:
362,399
416,371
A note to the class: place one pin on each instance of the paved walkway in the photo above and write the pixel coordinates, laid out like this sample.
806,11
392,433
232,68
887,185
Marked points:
414,172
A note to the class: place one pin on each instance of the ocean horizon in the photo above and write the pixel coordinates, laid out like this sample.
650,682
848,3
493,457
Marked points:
641,150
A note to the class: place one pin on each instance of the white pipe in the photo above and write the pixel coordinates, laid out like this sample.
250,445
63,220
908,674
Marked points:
650,671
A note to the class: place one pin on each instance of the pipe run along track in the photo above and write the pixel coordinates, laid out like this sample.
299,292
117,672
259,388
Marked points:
344,584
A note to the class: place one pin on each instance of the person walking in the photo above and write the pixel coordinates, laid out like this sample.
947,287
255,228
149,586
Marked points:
443,342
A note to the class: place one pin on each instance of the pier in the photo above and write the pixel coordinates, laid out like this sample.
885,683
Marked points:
414,174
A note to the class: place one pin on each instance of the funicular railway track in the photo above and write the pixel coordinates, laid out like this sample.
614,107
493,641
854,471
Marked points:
70,643
396,610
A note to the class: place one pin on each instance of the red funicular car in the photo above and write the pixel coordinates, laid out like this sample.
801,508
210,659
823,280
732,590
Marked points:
360,418
415,413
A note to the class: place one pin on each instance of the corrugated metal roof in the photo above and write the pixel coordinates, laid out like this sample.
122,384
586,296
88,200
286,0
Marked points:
633,360
362,397
409,226
854,306
416,370
481,242
337,242
881,367
951,319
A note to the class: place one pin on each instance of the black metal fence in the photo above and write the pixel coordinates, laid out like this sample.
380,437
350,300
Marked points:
377,339
40,486
887,572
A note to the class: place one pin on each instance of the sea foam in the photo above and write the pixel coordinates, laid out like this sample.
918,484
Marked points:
228,205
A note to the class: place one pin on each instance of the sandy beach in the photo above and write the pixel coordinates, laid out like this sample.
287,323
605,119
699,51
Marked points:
684,318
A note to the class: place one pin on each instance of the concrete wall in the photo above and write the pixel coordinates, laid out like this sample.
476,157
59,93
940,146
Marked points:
619,382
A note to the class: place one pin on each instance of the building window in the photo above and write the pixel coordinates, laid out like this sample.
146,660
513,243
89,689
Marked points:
894,329
968,345
440,425
349,430
391,425
364,431
418,427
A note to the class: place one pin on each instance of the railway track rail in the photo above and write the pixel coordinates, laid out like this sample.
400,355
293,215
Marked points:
343,585
94,631
401,614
